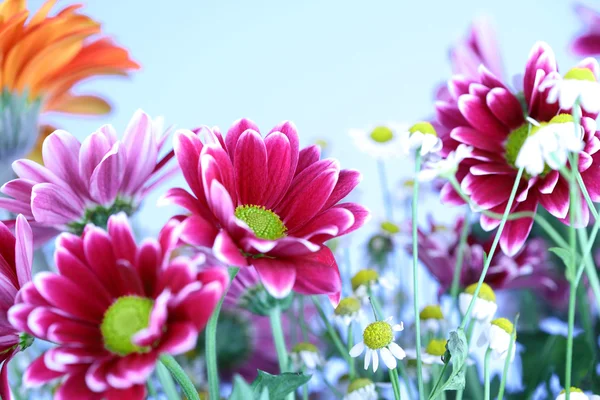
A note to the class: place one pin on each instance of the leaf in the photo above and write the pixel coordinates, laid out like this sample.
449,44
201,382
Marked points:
564,254
243,391
458,348
456,381
278,386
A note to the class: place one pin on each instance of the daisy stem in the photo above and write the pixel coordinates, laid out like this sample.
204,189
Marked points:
374,304
278,338
395,383
464,234
187,387
166,381
212,371
415,248
350,341
385,190
332,333
513,339
486,374
302,320
488,259
572,302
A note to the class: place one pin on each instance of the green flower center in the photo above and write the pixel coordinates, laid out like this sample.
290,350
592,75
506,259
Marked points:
99,215
364,277
358,384
580,74
264,223
573,389
382,134
431,312
504,324
390,227
377,335
436,347
123,319
305,346
424,127
347,306
485,293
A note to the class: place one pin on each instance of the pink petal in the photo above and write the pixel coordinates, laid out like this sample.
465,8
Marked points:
480,117
5,392
106,179
19,189
197,231
250,165
38,374
180,338
198,306
477,139
516,231
122,237
141,145
61,156
308,156
234,133
93,149
227,251
557,202
53,205
187,147
183,199
347,181
506,107
318,273
277,275
280,171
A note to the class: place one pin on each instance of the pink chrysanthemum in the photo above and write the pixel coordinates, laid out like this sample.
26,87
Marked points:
16,256
87,182
485,114
530,268
112,309
262,202
588,42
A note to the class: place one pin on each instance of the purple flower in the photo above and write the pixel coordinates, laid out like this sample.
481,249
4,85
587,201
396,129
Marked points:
588,42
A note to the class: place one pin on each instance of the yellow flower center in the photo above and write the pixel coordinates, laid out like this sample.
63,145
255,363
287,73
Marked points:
382,134
504,324
347,306
322,143
431,312
573,389
305,346
436,347
359,384
264,223
390,227
424,127
485,293
377,335
580,74
364,277
123,319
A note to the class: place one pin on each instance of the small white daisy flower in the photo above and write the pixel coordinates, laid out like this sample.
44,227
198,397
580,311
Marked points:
432,354
445,167
306,355
348,309
574,394
365,279
432,319
549,144
578,83
485,305
382,141
361,389
497,337
423,137
378,339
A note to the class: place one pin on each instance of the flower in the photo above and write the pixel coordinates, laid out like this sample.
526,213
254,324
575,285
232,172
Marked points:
530,268
378,338
348,309
485,305
87,182
382,141
306,355
361,389
445,167
16,257
574,394
44,58
587,43
365,280
579,84
432,354
548,145
112,309
486,115
498,336
261,202
431,318
421,137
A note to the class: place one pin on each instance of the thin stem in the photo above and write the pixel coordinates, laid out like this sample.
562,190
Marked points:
415,248
350,341
211,343
406,379
464,234
187,387
279,339
586,194
572,303
395,383
374,304
151,389
166,381
302,320
332,333
486,374
385,190
513,338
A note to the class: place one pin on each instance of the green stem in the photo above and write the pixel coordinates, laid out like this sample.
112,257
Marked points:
415,248
279,339
375,304
464,234
210,351
188,388
406,379
350,340
332,333
513,338
572,302
151,389
385,191
395,383
486,374
166,381
586,194
302,320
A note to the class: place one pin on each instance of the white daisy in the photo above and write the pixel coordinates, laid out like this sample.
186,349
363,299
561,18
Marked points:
578,83
422,137
349,309
306,355
497,337
382,141
574,394
485,305
378,339
549,144
432,354
361,389
445,167
365,279
432,319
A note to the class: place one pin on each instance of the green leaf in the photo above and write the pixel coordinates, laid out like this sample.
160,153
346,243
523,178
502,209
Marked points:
459,350
456,381
243,391
564,254
279,386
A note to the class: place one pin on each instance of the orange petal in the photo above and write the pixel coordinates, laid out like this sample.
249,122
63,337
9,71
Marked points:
42,13
82,105
8,8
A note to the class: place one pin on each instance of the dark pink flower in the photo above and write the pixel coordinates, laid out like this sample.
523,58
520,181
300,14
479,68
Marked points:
112,309
16,257
265,203
529,268
87,182
588,42
485,114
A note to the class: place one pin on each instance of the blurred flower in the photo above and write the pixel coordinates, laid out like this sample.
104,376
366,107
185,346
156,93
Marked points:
485,305
548,145
361,389
349,309
378,337
43,59
579,84
112,309
382,141
366,279
306,355
432,319
486,115
574,394
445,167
16,257
87,183
420,137
587,43
497,336
261,202
432,354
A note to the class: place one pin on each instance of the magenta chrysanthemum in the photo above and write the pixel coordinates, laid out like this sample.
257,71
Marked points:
112,309
588,42
485,114
16,256
89,181
262,202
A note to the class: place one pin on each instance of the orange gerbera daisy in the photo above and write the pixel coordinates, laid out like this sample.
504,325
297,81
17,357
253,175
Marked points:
42,58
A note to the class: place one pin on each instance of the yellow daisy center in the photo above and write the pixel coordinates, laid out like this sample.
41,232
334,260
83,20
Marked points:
123,319
378,335
364,277
573,389
436,347
580,74
359,384
264,223
424,127
347,306
390,227
382,134
485,293
431,312
305,346
504,324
